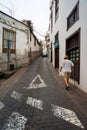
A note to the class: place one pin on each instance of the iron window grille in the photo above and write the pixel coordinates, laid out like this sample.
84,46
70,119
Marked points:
73,17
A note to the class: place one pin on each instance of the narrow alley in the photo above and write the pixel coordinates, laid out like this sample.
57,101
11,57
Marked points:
39,101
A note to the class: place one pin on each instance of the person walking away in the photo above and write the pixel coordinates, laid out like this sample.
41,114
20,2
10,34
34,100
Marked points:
67,67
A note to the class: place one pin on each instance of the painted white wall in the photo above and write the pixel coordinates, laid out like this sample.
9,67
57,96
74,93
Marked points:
20,28
52,33
65,8
31,44
81,23
83,45
21,41
1,39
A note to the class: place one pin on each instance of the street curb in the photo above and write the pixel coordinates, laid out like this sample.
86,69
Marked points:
7,83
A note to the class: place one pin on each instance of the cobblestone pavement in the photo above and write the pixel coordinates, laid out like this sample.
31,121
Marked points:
33,99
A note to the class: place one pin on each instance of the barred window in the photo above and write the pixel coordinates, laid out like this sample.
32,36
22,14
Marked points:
56,9
51,21
74,16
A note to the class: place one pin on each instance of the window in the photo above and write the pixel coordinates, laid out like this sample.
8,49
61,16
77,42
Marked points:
74,16
9,40
51,21
56,37
56,44
56,9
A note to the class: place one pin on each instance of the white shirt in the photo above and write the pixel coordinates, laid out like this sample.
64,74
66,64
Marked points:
67,64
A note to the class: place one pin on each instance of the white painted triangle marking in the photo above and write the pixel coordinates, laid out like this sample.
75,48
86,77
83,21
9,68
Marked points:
40,85
1,105
67,115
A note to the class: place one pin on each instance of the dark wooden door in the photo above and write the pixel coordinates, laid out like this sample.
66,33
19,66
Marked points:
73,51
57,57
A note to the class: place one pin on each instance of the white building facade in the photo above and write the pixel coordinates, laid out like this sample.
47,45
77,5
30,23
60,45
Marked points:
15,42
68,35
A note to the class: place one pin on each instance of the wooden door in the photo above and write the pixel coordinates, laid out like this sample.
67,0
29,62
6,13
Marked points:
57,57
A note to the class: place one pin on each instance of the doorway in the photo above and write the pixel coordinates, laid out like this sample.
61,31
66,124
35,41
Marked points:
73,51
57,57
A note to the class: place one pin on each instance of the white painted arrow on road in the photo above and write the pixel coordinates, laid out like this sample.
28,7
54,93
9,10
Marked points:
66,115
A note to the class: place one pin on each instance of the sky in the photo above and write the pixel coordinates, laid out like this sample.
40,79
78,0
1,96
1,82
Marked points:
35,10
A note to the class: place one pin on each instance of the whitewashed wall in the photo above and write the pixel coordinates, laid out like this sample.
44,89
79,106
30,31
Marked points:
65,8
21,39
83,45
23,42
1,40
52,34
34,47
81,23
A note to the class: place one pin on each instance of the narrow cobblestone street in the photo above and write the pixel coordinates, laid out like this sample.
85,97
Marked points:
38,101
